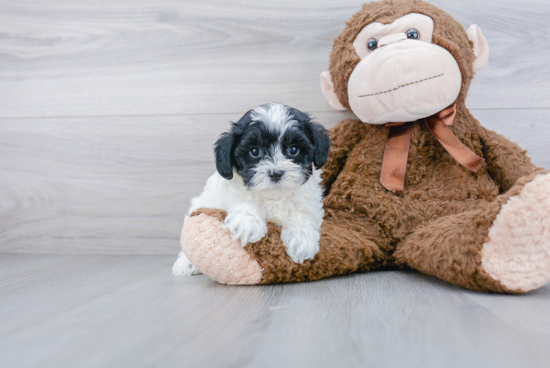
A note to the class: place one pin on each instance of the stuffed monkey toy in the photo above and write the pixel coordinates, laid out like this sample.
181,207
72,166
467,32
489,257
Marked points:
415,181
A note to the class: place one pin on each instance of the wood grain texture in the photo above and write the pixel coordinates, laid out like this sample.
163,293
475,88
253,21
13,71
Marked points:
66,58
108,113
122,184
128,311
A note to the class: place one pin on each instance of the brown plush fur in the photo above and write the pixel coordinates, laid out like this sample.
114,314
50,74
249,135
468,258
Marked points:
441,221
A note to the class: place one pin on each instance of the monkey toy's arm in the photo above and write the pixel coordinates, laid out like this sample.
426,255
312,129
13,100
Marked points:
506,161
344,137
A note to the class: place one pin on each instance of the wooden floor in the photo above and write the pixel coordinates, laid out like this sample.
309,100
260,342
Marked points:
129,311
108,113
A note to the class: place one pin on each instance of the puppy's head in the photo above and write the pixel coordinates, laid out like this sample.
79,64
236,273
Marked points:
272,147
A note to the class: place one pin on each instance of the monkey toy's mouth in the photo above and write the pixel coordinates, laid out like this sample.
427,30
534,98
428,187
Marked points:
403,81
402,86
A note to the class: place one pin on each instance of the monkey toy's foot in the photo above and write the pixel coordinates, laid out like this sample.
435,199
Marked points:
517,253
208,244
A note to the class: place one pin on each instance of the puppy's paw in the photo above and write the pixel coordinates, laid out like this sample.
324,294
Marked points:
245,227
300,243
184,267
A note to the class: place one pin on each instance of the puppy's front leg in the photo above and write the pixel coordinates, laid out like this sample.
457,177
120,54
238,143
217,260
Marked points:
301,234
246,222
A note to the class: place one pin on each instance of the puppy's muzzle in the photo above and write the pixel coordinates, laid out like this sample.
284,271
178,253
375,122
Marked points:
276,175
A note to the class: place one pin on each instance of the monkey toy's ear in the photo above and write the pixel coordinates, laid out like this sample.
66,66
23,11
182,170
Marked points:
481,47
222,150
328,91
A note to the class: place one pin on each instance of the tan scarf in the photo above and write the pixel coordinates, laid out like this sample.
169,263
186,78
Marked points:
394,164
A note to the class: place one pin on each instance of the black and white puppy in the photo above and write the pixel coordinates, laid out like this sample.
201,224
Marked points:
268,169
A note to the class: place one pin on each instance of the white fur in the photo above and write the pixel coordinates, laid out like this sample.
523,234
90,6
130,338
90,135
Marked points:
275,116
299,212
184,267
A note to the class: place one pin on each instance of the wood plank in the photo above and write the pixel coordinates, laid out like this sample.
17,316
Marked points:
130,312
122,184
54,276
387,318
514,310
149,57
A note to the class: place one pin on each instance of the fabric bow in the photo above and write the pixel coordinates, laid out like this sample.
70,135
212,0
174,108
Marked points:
394,164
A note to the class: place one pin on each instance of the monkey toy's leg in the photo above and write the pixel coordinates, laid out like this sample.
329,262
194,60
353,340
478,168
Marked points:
348,244
503,247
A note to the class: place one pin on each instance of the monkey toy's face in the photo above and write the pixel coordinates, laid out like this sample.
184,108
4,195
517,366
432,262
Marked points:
402,75
399,74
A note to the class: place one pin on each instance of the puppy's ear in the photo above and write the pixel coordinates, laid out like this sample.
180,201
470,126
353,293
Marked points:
318,135
321,142
223,150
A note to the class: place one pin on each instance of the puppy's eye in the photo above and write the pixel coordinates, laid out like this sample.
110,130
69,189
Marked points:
413,34
372,44
293,151
255,152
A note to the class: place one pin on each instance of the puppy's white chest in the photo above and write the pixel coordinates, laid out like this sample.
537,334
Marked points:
278,211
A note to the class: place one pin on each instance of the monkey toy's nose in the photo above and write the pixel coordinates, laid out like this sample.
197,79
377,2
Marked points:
276,175
396,37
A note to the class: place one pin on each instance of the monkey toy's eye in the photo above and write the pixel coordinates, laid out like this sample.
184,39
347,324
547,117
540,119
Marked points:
372,44
293,151
413,34
255,152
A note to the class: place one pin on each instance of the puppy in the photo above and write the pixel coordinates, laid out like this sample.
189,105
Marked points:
268,169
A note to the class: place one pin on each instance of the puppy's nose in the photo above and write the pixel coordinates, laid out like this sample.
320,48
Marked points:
276,175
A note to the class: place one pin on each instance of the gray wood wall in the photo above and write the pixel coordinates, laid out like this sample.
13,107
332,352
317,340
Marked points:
108,109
